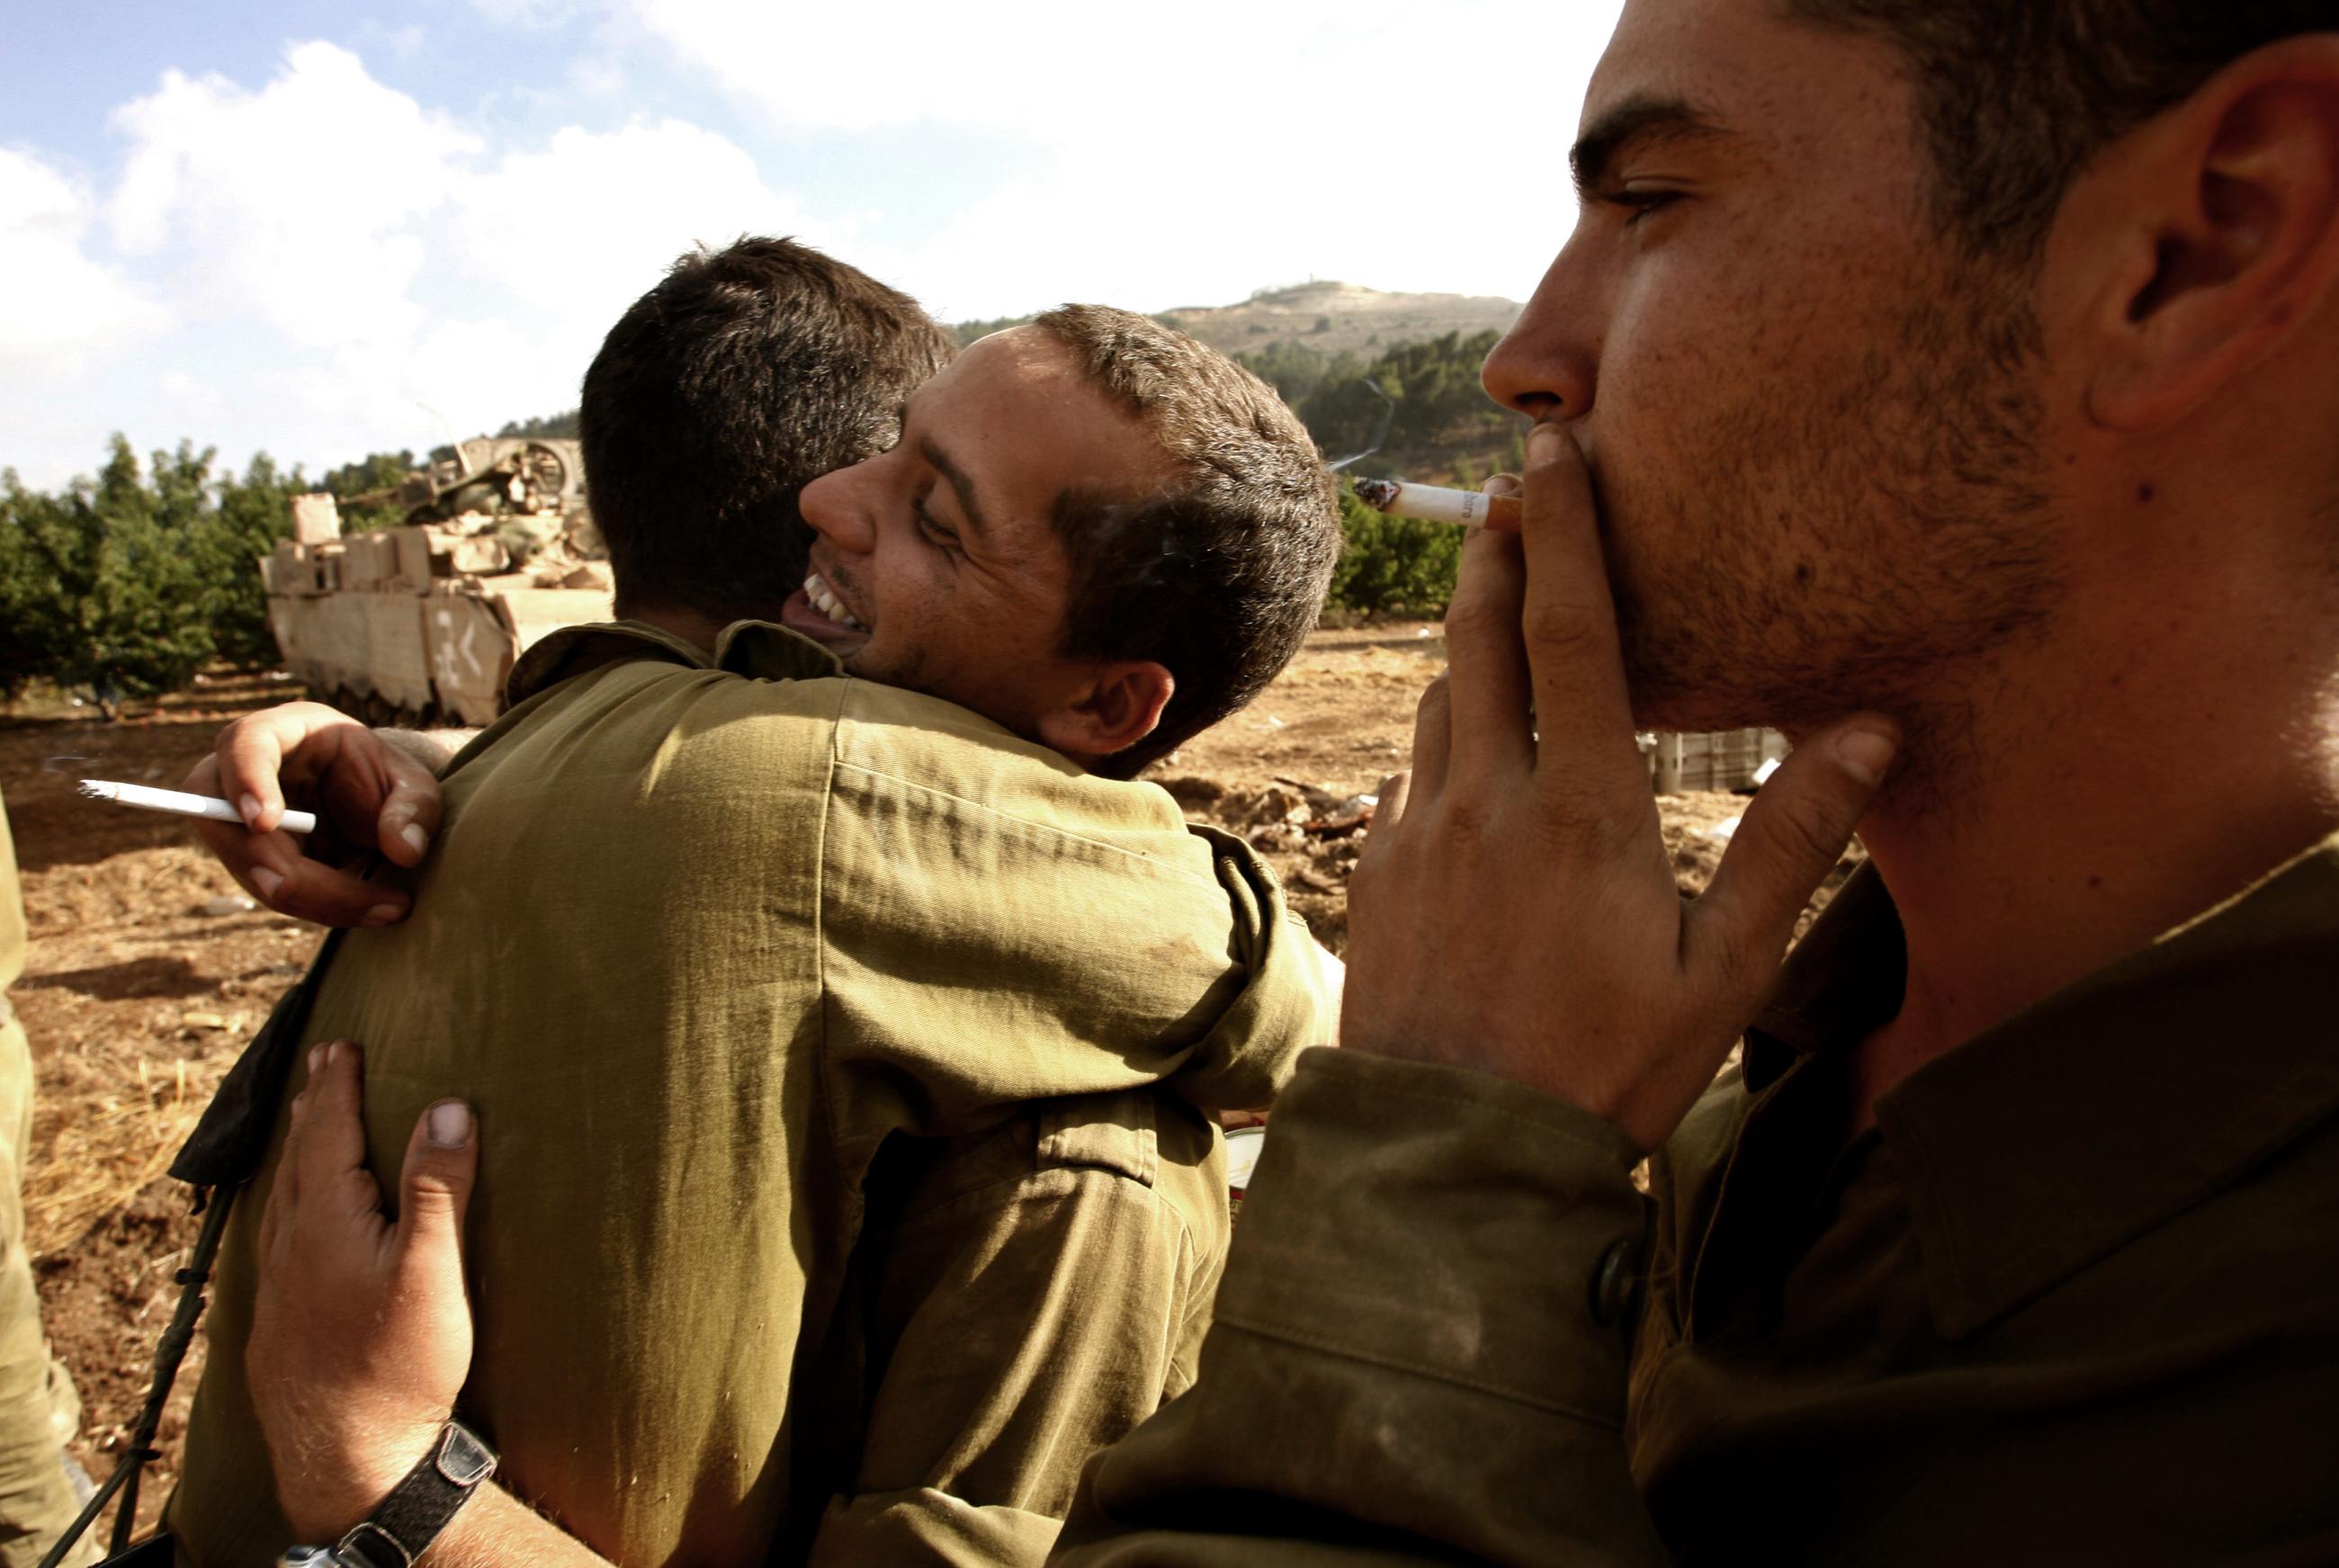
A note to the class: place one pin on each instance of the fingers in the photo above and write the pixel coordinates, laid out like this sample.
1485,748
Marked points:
272,868
410,815
259,863
1587,762
1487,660
306,743
326,1145
1389,807
1433,737
1484,659
442,1166
204,778
250,757
370,792
1791,837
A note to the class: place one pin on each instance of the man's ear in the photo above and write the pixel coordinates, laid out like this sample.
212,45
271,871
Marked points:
2230,237
1116,706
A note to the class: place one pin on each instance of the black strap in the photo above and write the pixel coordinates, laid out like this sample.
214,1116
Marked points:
219,1156
231,1140
419,1507
168,1355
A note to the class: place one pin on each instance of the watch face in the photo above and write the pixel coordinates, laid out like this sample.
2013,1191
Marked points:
308,1558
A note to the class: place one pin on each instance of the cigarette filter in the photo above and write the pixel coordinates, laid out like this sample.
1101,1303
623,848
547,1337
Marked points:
179,804
1436,504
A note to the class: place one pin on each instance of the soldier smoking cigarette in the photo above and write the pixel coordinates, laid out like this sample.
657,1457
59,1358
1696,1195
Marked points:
209,807
1436,504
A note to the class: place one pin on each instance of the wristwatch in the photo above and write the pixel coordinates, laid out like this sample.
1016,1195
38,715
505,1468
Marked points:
407,1521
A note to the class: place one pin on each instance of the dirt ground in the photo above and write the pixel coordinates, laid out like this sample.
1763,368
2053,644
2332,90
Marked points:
1337,722
148,972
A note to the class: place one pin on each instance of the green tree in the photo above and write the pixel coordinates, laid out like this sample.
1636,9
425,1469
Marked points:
32,630
969,332
252,513
1394,564
124,585
561,425
120,556
1442,418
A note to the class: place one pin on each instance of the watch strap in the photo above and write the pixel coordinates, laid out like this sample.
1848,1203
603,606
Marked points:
422,1505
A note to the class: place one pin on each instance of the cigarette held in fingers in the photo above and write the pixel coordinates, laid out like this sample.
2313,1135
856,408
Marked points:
211,808
1436,504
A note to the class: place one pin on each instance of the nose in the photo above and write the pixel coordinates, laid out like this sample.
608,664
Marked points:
835,506
1546,364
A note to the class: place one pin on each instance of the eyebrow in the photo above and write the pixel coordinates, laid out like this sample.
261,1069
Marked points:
1643,117
960,485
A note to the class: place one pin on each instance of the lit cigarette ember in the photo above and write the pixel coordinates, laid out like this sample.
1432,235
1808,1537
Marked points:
211,808
1435,504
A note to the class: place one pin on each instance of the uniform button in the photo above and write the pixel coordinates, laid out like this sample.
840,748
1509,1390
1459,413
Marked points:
1614,1280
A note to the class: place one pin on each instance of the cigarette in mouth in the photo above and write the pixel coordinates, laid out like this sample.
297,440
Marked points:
211,808
1435,504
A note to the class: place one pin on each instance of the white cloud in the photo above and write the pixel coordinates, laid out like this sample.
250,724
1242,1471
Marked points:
478,373
582,224
1070,72
458,378
594,76
1240,146
852,67
294,204
400,43
350,269
532,14
307,260
62,308
329,207
197,395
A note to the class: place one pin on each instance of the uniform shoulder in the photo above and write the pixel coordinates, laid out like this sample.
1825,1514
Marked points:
644,726
924,744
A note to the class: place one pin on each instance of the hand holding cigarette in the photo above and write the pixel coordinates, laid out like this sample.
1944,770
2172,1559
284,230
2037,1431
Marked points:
378,808
1436,504
1514,911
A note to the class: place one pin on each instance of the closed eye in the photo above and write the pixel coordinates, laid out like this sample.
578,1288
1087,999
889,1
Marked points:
1638,202
941,537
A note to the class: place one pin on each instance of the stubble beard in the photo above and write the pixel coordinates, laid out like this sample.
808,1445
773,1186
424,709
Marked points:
1873,546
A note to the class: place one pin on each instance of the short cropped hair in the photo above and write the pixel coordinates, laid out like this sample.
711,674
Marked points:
746,373
1220,577
2015,97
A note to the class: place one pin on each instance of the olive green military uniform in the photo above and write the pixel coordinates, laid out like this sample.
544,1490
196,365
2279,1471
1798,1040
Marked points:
843,1065
2073,1299
38,1407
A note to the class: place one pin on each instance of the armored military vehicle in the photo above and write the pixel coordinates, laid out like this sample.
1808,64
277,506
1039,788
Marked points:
423,622
494,475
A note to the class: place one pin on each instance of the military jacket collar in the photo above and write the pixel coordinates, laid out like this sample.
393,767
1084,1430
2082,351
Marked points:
756,648
2046,1142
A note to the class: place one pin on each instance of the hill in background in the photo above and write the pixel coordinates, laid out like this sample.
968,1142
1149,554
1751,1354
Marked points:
1336,318
1331,317
1324,346
1319,343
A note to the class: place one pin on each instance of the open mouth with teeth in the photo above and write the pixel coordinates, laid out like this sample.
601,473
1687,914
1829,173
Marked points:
815,610
824,598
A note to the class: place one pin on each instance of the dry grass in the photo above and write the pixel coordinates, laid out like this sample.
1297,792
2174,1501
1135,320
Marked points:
103,1151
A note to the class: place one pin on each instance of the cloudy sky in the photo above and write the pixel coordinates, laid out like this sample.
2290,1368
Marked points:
295,227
